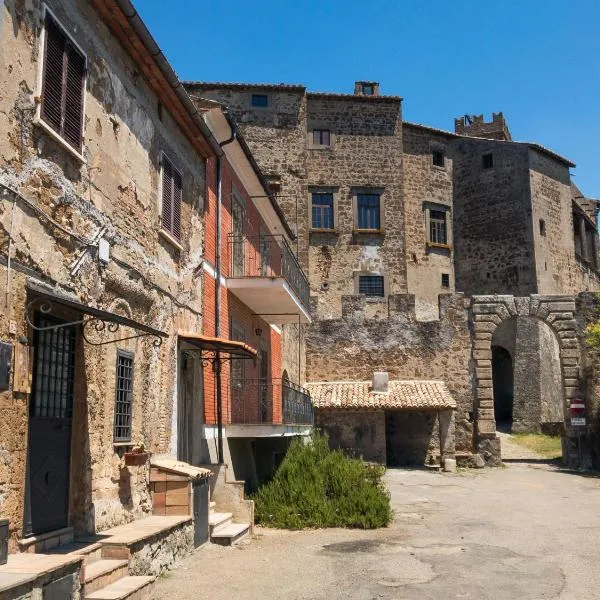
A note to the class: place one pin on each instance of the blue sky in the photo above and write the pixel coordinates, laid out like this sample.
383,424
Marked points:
535,60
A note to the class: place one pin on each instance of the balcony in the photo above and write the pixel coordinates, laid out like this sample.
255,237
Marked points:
266,276
269,402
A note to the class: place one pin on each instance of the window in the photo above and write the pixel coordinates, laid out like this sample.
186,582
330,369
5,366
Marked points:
367,89
237,364
368,211
123,396
260,100
542,228
322,210
445,280
487,161
321,137
437,158
371,285
172,195
438,231
63,84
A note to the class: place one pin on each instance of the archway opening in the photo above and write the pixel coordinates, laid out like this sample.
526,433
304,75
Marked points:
503,383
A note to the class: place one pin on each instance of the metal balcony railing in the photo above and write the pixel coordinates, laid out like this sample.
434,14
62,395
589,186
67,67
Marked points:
269,402
268,256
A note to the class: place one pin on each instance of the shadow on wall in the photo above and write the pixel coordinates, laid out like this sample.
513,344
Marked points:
411,438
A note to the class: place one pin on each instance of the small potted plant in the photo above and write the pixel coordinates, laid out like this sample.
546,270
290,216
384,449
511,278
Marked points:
137,456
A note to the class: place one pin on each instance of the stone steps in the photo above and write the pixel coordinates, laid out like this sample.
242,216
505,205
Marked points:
229,534
103,572
126,588
216,519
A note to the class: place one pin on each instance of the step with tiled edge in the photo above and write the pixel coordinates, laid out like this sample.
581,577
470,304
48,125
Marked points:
230,534
127,588
217,519
103,572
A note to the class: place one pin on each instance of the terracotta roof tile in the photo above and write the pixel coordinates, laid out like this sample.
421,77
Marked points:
357,395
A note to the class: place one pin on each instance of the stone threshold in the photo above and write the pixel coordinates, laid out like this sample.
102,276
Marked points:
46,541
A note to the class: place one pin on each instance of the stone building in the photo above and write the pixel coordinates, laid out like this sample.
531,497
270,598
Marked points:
383,208
147,283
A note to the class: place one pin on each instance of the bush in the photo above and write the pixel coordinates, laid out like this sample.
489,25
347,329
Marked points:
319,487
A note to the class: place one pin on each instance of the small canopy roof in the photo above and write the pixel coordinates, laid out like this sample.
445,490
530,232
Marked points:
234,348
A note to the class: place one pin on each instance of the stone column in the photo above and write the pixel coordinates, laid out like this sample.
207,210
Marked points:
447,437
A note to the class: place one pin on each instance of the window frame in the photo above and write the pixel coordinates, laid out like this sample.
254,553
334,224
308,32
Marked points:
168,233
321,131
256,95
38,119
438,152
356,193
445,281
428,208
323,192
129,356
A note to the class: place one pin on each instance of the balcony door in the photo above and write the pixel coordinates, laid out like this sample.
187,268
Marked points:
238,221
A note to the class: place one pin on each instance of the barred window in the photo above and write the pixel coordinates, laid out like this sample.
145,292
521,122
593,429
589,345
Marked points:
322,210
371,285
438,231
63,84
123,396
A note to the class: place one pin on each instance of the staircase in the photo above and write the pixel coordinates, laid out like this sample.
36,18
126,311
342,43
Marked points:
223,530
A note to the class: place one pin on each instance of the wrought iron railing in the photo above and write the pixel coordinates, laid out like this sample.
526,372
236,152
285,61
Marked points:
268,402
297,405
268,256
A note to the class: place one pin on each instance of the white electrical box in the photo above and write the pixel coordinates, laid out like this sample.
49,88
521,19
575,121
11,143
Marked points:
103,251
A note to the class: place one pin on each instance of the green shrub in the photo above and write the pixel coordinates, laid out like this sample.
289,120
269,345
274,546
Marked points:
319,487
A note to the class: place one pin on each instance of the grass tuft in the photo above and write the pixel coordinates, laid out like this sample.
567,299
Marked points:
548,446
319,487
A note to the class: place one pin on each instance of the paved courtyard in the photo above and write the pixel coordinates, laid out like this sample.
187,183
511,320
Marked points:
527,532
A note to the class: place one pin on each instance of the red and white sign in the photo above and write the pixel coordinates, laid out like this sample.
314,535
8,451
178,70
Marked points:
577,410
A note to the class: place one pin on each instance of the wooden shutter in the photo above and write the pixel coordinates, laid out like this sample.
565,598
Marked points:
172,197
63,84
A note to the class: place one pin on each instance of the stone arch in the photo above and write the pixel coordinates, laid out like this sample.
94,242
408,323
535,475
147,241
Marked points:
488,312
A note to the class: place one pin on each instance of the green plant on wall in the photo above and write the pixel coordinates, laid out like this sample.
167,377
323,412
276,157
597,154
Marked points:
592,335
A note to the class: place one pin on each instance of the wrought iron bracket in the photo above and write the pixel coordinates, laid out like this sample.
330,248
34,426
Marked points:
87,323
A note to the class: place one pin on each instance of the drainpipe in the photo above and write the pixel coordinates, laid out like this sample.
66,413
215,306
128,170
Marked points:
217,363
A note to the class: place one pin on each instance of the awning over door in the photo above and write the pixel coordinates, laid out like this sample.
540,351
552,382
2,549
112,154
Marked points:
230,348
44,298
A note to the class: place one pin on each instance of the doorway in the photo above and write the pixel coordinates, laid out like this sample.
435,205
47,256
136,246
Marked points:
503,382
50,426
191,443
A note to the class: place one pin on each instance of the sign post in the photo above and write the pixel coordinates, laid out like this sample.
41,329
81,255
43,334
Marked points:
577,412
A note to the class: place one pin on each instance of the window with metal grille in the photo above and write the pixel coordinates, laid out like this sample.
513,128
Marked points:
371,285
321,137
123,396
238,368
52,394
63,84
172,197
437,157
445,280
438,233
487,161
260,100
368,211
322,210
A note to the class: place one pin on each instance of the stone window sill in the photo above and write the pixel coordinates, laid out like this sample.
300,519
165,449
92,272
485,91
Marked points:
170,239
38,122
439,246
368,231
323,230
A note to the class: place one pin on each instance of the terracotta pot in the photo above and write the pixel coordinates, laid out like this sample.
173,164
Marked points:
136,459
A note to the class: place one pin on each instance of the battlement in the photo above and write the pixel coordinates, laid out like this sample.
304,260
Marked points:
476,126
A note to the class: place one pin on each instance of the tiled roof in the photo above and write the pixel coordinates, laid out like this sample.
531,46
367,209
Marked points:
358,395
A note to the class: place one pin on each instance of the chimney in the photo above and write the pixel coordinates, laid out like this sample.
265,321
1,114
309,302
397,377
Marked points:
381,381
366,88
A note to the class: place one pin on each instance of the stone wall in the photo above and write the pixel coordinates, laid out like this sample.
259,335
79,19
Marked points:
113,193
426,186
386,336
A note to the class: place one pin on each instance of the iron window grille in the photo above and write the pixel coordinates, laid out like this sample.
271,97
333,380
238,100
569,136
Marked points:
238,365
487,161
438,231
321,137
172,197
445,280
368,211
260,100
123,396
322,210
371,285
437,157
63,84
52,396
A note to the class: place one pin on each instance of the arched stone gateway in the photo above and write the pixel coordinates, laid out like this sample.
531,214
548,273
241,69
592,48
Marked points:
488,312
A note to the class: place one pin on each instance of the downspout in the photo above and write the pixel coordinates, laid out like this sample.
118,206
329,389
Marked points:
217,363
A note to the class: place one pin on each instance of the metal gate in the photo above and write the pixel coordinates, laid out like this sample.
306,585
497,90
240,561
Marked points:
200,489
50,415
